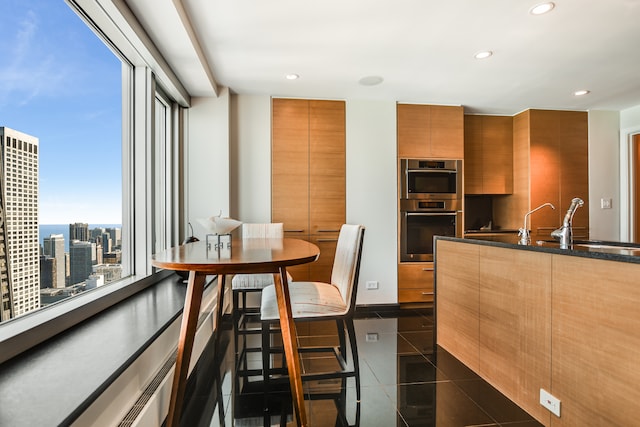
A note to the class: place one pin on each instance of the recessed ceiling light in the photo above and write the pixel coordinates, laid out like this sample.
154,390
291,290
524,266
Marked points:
581,92
292,77
370,80
542,8
482,55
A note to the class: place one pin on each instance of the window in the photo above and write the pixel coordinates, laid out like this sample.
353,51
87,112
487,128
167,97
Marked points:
135,157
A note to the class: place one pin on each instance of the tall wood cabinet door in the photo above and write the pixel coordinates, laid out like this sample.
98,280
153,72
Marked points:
544,172
320,270
473,168
447,132
497,154
413,123
290,164
574,167
327,166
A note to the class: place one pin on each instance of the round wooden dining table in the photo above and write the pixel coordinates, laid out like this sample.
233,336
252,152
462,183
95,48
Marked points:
204,258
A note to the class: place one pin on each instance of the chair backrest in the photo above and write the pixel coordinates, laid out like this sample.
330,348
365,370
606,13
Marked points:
346,264
270,230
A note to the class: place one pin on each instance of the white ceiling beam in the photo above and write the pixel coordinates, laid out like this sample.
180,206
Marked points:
186,22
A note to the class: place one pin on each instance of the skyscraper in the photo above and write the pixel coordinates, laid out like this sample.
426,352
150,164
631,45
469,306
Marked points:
53,246
20,180
81,260
79,231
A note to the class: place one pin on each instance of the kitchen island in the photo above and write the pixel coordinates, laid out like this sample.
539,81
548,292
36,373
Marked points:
527,318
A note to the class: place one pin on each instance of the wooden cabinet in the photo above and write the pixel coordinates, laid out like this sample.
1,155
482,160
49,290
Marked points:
488,154
415,282
550,165
430,131
426,132
308,179
559,169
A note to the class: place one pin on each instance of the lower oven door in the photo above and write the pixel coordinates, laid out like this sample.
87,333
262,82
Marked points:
418,229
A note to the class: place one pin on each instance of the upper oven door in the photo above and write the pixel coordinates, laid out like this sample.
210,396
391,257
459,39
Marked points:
423,179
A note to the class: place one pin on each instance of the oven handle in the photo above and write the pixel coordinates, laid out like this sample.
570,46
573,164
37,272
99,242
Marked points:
433,170
431,213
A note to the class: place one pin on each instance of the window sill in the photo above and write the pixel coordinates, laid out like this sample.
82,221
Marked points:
54,382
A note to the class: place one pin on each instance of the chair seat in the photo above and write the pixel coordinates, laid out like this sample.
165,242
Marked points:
308,299
248,282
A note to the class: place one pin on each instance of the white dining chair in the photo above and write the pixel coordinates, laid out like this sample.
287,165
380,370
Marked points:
312,301
242,284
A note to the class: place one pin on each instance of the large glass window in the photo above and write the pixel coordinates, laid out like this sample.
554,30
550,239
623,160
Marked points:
89,165
61,118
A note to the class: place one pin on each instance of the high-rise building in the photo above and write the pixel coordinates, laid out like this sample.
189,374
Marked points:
47,272
106,243
20,182
116,237
53,246
95,233
81,260
79,231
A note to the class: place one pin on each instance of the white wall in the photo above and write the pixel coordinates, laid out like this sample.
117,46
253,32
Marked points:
207,154
630,118
604,224
251,158
372,194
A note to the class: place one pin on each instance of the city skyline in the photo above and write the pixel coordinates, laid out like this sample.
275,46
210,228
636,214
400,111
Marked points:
62,85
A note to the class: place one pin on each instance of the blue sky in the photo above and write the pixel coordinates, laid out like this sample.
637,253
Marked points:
60,83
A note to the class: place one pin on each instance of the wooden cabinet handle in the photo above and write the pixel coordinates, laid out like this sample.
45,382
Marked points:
428,269
294,231
427,293
328,231
326,240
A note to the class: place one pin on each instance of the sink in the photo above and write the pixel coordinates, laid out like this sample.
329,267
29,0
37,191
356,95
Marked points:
605,246
621,249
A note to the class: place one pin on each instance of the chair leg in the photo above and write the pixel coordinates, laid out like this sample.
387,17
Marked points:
266,356
354,353
340,325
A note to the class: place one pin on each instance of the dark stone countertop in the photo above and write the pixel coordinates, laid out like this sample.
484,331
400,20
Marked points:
596,249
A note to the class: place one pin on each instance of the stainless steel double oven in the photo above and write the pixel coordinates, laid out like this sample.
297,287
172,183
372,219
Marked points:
430,205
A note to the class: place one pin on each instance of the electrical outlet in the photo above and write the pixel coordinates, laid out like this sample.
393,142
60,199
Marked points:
605,203
550,402
371,337
372,284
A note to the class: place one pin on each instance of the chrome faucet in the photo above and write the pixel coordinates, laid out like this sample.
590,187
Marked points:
564,234
524,231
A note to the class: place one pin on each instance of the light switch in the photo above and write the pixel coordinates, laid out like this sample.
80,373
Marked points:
605,203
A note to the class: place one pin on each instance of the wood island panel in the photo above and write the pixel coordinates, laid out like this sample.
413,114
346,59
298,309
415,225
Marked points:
515,324
596,342
458,300
565,323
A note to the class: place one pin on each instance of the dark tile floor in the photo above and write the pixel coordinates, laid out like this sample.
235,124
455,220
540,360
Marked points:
405,381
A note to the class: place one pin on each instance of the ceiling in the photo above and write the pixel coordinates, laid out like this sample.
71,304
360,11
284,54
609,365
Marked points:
423,49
